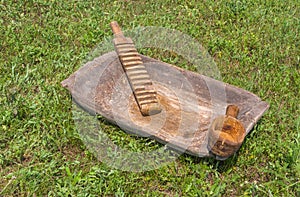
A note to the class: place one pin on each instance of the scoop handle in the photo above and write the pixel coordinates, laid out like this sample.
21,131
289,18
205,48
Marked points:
232,110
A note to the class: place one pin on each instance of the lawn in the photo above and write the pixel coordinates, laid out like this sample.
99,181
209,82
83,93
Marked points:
254,43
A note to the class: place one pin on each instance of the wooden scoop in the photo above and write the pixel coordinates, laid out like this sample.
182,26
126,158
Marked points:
136,73
226,133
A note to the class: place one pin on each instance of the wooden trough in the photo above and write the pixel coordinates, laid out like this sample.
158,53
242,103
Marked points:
189,108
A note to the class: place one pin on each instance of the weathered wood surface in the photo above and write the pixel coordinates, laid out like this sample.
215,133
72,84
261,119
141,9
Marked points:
190,102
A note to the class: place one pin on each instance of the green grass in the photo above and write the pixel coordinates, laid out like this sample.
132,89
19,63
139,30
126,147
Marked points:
254,43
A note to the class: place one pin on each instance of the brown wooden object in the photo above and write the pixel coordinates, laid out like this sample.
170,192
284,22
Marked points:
138,77
188,106
226,133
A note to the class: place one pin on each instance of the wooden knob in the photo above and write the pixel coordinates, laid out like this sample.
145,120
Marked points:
232,110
